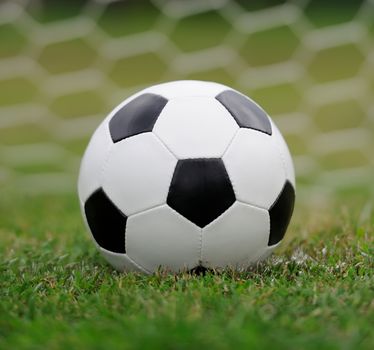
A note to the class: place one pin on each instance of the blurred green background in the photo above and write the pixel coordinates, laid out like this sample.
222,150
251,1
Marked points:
65,64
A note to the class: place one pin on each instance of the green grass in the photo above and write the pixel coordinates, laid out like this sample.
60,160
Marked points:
57,292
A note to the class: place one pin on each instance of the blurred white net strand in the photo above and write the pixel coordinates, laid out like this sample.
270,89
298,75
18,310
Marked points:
226,55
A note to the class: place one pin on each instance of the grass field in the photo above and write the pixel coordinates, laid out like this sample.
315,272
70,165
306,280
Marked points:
57,292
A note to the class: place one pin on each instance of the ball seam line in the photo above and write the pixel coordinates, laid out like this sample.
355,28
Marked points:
164,144
230,142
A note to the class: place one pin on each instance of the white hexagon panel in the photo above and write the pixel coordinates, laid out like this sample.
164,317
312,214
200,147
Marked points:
184,88
195,127
235,237
122,262
285,154
162,237
255,167
90,176
138,172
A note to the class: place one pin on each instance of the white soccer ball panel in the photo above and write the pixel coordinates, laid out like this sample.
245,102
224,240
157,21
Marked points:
121,262
263,255
90,174
185,88
285,154
255,168
236,237
195,127
161,236
138,173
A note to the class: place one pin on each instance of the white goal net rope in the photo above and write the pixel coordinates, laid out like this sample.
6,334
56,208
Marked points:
58,78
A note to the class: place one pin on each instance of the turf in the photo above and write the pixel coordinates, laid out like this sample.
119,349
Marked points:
57,292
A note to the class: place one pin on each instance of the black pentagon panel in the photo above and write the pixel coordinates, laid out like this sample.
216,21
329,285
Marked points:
280,213
200,190
199,270
246,113
136,117
106,221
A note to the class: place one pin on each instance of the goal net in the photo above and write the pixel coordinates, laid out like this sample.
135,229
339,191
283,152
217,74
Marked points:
65,64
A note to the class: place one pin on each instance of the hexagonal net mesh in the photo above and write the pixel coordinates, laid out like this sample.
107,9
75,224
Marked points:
65,65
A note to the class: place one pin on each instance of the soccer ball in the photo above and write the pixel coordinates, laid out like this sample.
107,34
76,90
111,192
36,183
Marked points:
184,175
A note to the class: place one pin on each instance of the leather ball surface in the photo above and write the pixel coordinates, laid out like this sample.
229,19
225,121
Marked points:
186,174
